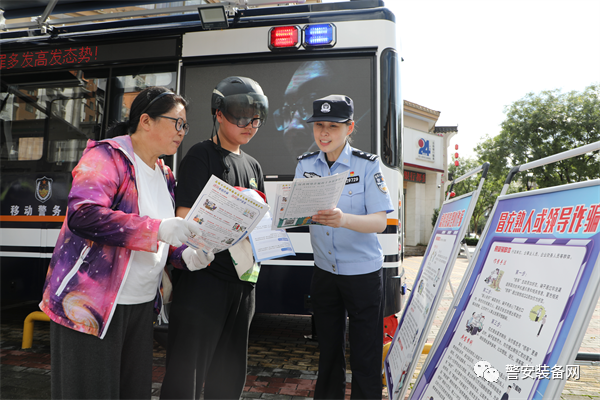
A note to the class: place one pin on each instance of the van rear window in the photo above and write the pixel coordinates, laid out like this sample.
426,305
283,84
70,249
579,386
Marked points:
291,87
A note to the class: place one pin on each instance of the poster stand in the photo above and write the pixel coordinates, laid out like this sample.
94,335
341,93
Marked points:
436,267
540,249
465,248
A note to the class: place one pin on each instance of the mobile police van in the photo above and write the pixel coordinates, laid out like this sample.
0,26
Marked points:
64,84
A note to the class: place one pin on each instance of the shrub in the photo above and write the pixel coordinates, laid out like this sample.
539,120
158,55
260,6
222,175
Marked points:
434,217
471,241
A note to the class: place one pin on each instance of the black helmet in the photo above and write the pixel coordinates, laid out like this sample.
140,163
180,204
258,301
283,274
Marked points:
239,98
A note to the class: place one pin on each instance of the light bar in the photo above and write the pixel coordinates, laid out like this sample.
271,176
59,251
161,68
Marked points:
320,35
284,38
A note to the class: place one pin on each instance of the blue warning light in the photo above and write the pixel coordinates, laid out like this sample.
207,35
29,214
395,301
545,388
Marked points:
319,35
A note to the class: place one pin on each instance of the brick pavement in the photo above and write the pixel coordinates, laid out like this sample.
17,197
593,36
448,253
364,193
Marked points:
282,361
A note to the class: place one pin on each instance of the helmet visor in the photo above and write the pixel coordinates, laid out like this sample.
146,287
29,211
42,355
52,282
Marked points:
242,109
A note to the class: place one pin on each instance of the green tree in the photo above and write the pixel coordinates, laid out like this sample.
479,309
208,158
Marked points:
465,165
541,125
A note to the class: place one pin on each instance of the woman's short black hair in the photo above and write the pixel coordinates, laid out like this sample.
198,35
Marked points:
154,101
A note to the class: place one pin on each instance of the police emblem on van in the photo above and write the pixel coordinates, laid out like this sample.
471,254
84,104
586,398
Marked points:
380,182
43,189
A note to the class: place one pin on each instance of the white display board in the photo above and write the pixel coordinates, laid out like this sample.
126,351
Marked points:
428,288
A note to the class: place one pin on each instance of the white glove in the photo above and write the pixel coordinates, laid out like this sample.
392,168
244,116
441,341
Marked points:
175,231
196,259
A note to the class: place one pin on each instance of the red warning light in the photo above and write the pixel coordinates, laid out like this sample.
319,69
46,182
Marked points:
284,37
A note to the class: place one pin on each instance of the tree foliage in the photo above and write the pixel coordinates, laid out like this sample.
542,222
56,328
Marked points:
538,126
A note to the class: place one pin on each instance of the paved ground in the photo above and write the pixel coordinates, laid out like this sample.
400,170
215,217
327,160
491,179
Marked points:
282,361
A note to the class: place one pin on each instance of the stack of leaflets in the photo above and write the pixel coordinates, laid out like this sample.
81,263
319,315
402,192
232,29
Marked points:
297,202
226,216
268,243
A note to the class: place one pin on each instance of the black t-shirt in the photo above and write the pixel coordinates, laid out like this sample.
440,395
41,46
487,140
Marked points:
203,160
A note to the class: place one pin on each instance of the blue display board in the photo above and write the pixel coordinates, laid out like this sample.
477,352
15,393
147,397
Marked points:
428,288
537,271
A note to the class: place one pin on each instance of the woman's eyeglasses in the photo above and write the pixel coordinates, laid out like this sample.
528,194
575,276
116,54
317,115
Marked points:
179,124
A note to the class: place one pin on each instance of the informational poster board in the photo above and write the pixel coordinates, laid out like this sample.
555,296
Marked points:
428,289
524,309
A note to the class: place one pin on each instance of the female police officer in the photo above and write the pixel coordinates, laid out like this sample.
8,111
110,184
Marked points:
347,278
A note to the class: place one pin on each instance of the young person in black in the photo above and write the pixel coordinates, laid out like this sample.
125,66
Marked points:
212,308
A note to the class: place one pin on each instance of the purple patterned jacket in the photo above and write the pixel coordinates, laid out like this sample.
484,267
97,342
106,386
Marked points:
102,227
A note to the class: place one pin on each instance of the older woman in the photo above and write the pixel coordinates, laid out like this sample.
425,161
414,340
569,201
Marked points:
105,273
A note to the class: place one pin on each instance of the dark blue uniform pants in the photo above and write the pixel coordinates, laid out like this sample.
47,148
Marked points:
359,298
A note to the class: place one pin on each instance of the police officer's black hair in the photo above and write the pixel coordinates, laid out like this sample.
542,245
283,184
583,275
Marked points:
154,101
349,137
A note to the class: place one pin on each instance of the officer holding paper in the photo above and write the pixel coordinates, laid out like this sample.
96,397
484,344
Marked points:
347,278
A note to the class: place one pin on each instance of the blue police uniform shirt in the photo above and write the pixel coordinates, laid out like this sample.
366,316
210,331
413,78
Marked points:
343,251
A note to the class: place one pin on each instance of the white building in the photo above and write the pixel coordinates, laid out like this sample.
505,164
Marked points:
425,170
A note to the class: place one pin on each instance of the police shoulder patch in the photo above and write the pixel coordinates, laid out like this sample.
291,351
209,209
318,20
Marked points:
380,182
307,155
366,156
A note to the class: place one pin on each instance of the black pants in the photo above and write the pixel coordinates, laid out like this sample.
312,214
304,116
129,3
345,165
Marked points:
208,337
358,297
116,367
